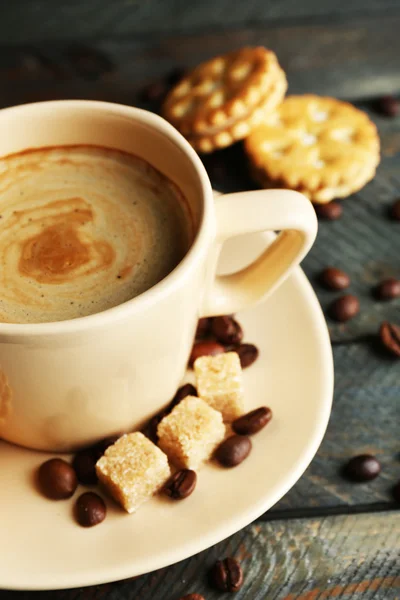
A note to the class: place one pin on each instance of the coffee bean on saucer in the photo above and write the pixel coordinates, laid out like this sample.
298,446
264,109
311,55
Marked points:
233,450
253,421
203,328
57,479
248,353
396,492
227,575
150,430
90,509
227,330
345,308
364,467
334,279
390,337
181,484
185,390
388,289
192,597
395,211
84,464
330,211
205,348
388,105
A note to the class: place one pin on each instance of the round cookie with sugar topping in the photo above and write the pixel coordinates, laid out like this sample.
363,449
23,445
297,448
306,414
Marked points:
319,146
223,99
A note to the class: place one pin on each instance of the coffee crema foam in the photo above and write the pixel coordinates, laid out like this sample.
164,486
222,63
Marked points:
83,229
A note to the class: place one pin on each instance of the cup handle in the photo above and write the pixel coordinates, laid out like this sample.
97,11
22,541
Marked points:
286,211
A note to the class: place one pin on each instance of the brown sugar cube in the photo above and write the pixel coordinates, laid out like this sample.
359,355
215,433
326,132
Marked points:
132,470
190,433
220,384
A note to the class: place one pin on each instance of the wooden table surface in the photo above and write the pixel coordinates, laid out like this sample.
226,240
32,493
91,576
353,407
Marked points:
327,538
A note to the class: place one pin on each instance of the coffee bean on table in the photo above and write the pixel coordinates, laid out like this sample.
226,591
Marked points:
90,509
330,211
388,289
395,211
154,92
227,575
396,492
390,337
344,308
181,484
203,328
57,479
192,597
248,353
84,464
205,348
227,330
185,390
253,421
334,279
364,467
388,105
233,450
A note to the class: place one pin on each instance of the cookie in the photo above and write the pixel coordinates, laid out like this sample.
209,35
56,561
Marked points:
223,99
319,146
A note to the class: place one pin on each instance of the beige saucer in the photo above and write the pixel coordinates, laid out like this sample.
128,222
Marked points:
294,376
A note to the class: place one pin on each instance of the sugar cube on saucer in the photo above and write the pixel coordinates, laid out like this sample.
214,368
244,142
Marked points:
220,383
190,433
132,470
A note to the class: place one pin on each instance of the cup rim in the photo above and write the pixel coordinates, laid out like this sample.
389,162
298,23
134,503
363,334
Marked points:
163,287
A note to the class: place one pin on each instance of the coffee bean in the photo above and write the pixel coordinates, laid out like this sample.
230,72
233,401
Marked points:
227,330
181,484
362,468
388,289
90,509
203,328
248,353
154,92
330,211
344,308
227,575
186,390
192,597
390,337
253,421
205,348
334,279
388,106
396,492
84,465
57,479
150,429
233,450
395,211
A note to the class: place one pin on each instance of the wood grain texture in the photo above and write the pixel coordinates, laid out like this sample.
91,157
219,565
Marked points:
348,557
348,59
365,419
26,21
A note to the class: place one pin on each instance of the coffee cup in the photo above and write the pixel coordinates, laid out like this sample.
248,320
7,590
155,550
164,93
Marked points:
66,384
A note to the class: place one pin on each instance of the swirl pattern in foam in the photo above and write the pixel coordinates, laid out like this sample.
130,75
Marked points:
83,229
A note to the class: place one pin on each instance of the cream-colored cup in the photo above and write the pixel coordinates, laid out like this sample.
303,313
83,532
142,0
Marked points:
67,384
